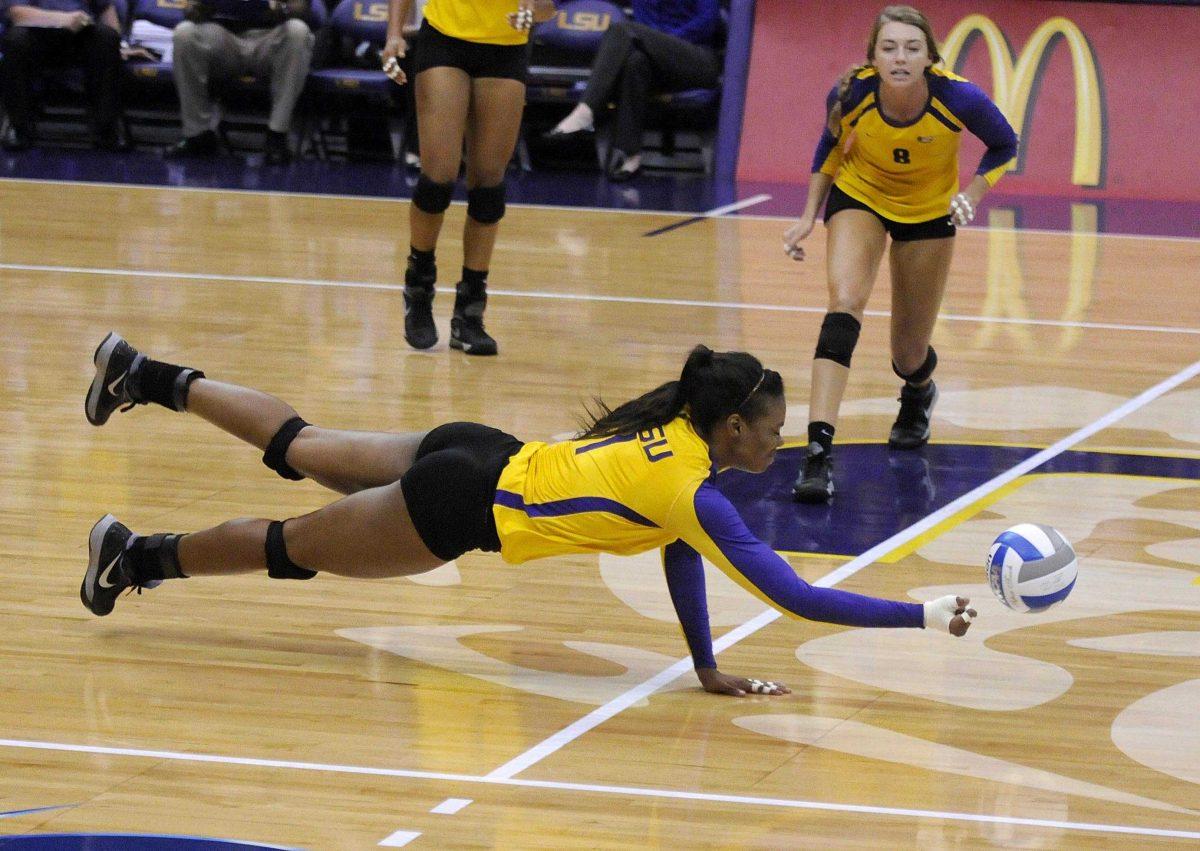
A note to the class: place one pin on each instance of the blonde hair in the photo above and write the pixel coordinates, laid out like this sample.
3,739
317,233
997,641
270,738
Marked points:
889,14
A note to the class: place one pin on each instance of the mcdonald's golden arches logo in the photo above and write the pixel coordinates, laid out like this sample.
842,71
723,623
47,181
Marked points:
1014,84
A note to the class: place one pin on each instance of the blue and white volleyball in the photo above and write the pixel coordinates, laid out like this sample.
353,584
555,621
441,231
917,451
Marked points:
1031,567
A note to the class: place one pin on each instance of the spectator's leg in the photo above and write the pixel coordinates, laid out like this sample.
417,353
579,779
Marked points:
22,58
100,53
634,97
285,55
202,53
678,64
609,62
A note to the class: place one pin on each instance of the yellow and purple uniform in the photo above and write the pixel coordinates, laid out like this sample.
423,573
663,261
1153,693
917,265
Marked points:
654,489
909,172
481,21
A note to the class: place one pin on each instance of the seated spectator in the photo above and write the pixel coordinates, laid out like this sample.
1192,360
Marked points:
667,47
60,33
226,39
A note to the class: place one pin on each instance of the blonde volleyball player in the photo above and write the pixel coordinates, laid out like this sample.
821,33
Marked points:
888,164
470,67
640,477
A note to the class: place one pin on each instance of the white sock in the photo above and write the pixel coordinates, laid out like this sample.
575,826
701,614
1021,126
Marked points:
580,118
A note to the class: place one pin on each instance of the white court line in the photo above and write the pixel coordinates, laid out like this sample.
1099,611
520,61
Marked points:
730,208
400,838
450,806
389,199
643,300
627,791
525,205
598,716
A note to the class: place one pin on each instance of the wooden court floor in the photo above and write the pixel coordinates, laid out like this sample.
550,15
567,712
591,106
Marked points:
548,705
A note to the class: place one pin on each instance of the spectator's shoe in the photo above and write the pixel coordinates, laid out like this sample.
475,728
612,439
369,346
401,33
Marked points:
107,572
17,139
815,483
618,172
276,150
561,136
116,361
911,428
111,140
467,334
189,147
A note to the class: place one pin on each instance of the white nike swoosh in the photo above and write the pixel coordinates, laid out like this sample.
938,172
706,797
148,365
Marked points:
104,575
112,388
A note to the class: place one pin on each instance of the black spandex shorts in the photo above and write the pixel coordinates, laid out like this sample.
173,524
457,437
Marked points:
938,228
450,488
435,48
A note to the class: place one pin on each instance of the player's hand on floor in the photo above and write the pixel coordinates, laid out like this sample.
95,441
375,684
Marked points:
715,682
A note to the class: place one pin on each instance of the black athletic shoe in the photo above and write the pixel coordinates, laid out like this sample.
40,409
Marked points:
107,575
911,428
419,329
115,362
203,144
467,333
815,484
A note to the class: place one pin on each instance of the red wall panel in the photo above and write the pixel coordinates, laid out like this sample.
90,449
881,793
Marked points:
1140,69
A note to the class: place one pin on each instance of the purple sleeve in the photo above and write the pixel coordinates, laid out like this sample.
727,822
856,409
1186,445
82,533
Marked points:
773,578
971,105
828,141
685,580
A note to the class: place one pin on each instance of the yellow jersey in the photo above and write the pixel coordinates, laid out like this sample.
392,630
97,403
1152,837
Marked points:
630,493
909,172
483,21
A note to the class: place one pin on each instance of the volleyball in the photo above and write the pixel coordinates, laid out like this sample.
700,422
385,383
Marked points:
1031,567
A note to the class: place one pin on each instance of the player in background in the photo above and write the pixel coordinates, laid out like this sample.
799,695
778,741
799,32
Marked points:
887,165
469,72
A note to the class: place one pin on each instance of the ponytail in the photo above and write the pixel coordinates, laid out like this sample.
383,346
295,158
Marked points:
711,386
833,121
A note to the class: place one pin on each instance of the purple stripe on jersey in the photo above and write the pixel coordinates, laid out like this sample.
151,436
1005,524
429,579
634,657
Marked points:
576,505
942,117
859,117
608,441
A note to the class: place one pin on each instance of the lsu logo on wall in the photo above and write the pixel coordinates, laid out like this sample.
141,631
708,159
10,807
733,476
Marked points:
1014,84
374,12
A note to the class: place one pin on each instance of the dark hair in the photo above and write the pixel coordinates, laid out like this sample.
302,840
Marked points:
890,14
712,386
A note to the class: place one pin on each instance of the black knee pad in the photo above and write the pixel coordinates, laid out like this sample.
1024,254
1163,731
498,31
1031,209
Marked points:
276,455
922,372
839,336
279,566
485,204
430,197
